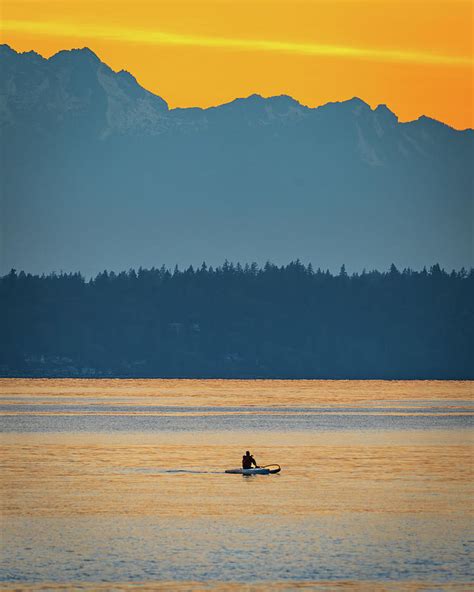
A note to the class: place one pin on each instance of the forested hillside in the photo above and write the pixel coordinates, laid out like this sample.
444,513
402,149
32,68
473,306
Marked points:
243,322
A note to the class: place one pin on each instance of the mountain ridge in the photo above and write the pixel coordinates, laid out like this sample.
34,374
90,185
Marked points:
101,173
86,51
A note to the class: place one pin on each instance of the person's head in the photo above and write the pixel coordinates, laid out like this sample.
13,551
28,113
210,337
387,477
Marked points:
247,453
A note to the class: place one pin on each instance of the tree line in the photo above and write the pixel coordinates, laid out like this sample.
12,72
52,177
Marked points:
237,321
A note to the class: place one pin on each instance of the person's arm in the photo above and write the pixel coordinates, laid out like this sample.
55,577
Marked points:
255,464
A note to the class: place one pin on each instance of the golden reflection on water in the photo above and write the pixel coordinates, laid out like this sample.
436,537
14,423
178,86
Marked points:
245,393
371,473
109,474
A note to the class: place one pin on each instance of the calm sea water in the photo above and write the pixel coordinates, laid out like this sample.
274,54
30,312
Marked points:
120,485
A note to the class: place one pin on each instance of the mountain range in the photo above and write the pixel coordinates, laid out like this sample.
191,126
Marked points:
99,173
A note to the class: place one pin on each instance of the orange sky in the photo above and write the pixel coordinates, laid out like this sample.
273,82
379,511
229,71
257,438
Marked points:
415,56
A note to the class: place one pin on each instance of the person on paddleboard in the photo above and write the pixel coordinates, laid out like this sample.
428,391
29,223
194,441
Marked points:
248,460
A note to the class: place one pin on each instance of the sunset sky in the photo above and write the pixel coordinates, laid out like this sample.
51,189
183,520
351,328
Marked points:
415,56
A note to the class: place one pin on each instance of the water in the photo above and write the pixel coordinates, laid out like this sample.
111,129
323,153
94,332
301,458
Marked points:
120,484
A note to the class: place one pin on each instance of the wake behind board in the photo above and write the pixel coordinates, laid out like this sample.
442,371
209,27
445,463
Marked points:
267,470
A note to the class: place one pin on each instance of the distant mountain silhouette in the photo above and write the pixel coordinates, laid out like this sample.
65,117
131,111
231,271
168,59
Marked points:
99,173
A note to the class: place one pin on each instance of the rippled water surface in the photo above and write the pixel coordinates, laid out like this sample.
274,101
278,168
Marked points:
120,484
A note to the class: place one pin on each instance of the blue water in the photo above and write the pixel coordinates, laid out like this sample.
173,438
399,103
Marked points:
118,492
269,549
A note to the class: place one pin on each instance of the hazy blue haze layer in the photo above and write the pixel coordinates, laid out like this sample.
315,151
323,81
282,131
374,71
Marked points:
99,173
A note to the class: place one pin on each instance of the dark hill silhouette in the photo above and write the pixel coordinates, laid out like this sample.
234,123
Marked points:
98,172
239,322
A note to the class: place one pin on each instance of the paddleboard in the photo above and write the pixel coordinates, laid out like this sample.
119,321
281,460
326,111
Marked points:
267,470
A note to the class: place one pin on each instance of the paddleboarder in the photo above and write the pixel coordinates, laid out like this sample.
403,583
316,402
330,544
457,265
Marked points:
248,460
